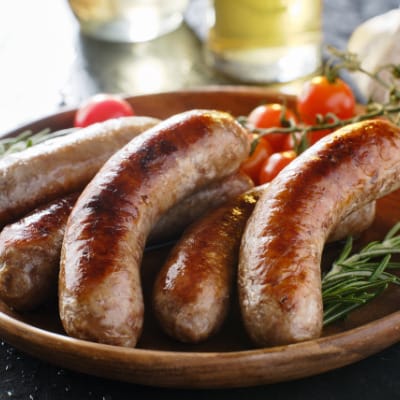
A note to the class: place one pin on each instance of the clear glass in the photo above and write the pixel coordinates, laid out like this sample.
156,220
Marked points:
265,41
128,20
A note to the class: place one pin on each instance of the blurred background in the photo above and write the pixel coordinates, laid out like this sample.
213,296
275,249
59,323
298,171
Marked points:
48,64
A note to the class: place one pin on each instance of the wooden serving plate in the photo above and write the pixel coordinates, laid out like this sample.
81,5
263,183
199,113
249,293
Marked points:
228,359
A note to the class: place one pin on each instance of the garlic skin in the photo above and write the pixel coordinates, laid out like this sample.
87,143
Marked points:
377,43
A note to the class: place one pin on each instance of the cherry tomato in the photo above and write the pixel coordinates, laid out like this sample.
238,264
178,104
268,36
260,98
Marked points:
319,96
274,164
251,166
314,136
289,143
101,107
269,116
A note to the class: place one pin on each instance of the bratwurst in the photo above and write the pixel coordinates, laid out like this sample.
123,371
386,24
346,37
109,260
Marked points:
100,296
171,224
30,247
61,165
280,256
192,291
30,254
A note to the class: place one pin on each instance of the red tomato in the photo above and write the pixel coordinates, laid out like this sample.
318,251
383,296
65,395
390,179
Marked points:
251,166
274,164
319,96
289,144
314,136
269,116
101,107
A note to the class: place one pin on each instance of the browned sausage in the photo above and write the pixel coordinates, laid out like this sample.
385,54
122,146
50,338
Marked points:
30,248
279,266
176,219
354,223
30,254
61,165
100,297
192,290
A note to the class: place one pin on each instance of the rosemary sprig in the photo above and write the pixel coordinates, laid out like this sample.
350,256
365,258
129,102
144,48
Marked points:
28,139
344,60
356,279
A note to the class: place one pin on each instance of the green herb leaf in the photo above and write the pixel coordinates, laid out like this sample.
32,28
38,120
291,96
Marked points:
28,139
356,279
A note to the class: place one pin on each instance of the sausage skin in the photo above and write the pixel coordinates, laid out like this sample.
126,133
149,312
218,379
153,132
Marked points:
30,255
192,291
61,165
30,248
176,219
279,265
100,296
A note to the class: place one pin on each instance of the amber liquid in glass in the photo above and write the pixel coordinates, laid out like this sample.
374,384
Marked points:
266,40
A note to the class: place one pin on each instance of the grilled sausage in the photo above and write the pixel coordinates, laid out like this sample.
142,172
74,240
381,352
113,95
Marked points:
192,290
30,254
279,264
61,165
30,248
176,219
354,223
100,297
